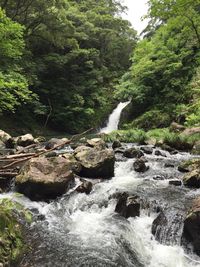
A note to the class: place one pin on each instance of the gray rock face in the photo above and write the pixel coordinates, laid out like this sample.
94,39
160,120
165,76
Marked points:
46,178
116,144
96,163
85,187
191,229
96,143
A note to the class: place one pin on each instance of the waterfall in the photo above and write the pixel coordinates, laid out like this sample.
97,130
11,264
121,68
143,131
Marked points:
114,118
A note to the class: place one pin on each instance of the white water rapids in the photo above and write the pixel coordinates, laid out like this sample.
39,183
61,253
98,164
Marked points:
83,230
114,118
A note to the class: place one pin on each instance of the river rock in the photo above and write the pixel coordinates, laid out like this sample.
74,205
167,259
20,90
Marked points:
133,153
140,166
175,182
196,148
116,144
128,206
53,142
191,229
147,149
46,178
192,177
10,143
96,163
160,153
85,187
96,143
4,136
159,222
25,140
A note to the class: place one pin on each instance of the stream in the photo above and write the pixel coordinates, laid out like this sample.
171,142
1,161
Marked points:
83,230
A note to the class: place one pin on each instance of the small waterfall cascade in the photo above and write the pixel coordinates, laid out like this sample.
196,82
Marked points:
114,118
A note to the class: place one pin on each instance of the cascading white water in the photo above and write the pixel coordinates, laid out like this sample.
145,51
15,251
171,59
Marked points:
83,230
114,118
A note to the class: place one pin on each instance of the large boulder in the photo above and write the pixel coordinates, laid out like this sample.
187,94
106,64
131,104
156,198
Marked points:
116,144
191,231
133,153
192,177
128,206
25,140
96,163
4,136
46,178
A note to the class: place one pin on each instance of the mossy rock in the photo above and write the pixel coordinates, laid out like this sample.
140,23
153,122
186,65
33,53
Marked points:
12,243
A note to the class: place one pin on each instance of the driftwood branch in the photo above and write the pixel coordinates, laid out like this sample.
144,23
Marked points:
21,158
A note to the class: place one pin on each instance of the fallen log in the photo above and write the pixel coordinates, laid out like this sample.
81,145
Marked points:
44,152
8,174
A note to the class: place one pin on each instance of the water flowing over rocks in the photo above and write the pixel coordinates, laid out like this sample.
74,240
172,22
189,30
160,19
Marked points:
133,153
128,206
140,166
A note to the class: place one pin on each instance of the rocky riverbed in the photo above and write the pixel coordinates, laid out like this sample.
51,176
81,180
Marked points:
105,204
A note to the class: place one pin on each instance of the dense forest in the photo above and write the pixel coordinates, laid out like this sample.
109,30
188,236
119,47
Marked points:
60,60
164,79
65,63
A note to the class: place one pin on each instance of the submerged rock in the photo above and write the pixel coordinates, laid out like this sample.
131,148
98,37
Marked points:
160,153
46,178
140,166
191,231
128,206
116,144
175,182
85,187
96,163
133,153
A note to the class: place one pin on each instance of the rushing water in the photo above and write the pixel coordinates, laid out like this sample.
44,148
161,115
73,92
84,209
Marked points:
114,118
83,230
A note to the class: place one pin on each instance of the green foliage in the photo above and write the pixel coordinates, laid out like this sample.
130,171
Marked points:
164,63
13,84
151,119
76,51
128,136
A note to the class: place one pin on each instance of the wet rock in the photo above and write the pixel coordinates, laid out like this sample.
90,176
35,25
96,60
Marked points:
147,150
191,231
151,142
189,165
46,178
5,184
192,179
175,182
133,153
4,136
51,154
116,144
96,143
157,224
53,142
128,206
85,187
140,166
95,162
168,148
169,165
25,140
160,153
